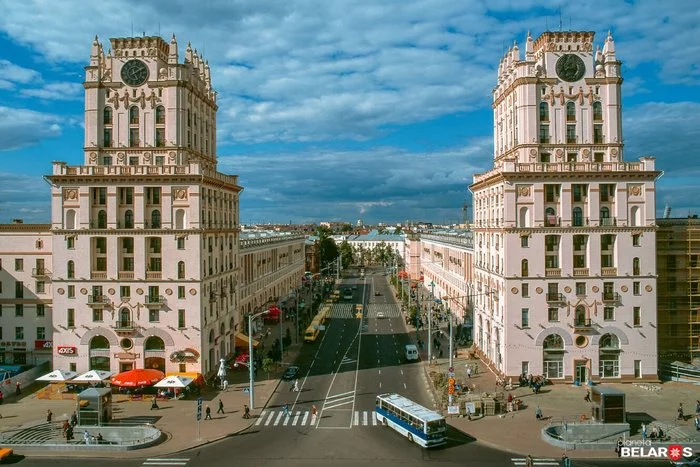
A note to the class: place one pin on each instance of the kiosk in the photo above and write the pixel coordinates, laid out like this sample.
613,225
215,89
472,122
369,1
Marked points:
94,407
608,405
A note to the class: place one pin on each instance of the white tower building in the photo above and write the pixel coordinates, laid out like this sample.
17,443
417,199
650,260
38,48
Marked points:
145,233
564,227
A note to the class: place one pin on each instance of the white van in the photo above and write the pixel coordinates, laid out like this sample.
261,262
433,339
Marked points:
411,352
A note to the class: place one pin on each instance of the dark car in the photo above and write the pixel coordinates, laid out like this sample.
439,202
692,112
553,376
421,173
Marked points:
377,293
290,373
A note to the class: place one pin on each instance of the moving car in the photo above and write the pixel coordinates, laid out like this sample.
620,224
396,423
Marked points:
290,373
380,315
377,292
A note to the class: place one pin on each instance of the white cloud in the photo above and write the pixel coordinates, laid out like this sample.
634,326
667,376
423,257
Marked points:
23,127
56,91
24,196
17,74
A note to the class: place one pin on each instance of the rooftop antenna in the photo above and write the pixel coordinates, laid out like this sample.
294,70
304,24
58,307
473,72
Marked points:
560,18
132,27
159,29
570,23
546,24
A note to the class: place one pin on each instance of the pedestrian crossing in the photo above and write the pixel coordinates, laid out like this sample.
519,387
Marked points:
347,310
304,418
535,461
164,461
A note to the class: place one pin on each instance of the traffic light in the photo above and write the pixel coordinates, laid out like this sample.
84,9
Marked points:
450,386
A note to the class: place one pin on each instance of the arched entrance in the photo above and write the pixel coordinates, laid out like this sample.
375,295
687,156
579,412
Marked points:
154,353
99,353
553,356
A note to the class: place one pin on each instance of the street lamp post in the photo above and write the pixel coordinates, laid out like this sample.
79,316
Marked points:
251,364
430,324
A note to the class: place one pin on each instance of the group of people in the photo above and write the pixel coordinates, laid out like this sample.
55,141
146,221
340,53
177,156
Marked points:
68,425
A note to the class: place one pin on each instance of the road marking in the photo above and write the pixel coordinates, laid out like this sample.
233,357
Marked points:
404,385
380,372
364,418
535,461
260,417
279,417
157,461
357,418
269,419
401,372
380,385
374,418
287,419
296,418
346,360
303,421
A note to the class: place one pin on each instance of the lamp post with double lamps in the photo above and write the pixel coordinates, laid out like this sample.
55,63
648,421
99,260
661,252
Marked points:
251,364
464,308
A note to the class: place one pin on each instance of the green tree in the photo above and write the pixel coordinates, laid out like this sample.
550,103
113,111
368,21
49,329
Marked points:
267,365
327,251
346,254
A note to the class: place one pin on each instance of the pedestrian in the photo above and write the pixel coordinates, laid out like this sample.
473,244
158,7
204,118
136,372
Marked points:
538,413
49,416
65,427
285,410
697,405
644,432
680,415
697,422
618,447
565,461
73,419
221,407
510,397
69,433
154,403
529,462
469,371
296,385
86,437
587,397
246,411
207,411
18,389
314,411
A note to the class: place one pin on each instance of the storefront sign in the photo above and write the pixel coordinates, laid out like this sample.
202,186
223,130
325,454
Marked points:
67,350
43,345
126,355
187,355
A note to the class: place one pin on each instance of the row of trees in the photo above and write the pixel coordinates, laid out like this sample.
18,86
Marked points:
381,253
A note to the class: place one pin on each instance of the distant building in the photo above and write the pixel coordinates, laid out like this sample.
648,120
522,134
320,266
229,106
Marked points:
678,259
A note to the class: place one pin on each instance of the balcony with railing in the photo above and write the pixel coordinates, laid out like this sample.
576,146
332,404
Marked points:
552,272
156,301
608,221
552,221
608,272
154,275
125,274
124,326
583,324
98,301
555,298
98,275
580,272
611,297
41,272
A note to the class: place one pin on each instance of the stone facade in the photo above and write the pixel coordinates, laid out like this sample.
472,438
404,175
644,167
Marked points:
562,222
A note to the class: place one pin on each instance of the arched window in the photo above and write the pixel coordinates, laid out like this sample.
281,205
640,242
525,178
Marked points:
635,216
577,217
609,341
107,116
553,342
524,270
597,111
211,336
128,219
604,214
154,343
550,217
180,219
70,219
635,266
524,217
553,356
222,329
99,343
181,270
544,112
160,115
570,112
70,270
231,324
155,219
102,219
125,318
134,115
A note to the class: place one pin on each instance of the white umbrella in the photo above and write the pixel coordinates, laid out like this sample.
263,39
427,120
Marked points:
93,376
58,375
174,382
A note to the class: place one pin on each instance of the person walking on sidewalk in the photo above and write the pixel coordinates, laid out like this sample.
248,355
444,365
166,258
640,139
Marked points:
18,389
221,407
587,397
49,416
529,462
207,412
680,415
246,411
154,403
73,419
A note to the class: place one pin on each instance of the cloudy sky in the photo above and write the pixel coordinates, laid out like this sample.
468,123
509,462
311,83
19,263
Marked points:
345,110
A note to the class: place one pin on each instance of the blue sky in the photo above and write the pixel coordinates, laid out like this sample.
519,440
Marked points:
345,110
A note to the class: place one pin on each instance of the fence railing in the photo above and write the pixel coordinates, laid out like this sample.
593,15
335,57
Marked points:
679,371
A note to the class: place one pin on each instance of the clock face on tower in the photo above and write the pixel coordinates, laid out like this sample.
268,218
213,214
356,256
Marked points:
134,73
570,68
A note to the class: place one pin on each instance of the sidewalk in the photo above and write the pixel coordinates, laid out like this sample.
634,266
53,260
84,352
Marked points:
520,432
176,418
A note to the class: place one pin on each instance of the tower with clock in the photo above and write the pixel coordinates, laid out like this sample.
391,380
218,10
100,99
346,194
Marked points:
563,225
147,229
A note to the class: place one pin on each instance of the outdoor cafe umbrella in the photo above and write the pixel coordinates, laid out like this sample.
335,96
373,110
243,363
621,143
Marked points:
57,376
138,377
93,376
177,382
222,370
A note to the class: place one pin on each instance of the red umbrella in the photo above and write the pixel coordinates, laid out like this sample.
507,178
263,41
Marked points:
138,377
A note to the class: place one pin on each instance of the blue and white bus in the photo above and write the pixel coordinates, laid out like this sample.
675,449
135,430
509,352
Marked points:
420,425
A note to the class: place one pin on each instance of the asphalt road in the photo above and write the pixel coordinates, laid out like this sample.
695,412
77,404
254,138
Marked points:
340,374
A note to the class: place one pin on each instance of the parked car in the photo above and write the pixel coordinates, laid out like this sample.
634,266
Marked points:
290,373
380,315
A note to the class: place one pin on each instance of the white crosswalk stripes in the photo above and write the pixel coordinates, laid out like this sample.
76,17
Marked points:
163,461
535,461
277,419
347,310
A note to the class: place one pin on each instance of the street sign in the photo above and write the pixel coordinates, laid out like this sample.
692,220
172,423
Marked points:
451,375
199,409
246,390
451,369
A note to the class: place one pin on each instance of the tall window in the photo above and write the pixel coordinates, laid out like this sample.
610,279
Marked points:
70,317
155,219
181,319
544,134
107,116
571,134
134,140
637,316
524,268
160,126
181,270
570,112
70,270
525,318
598,134
544,112
577,217
635,267
160,115
102,219
128,219
597,112
134,115
107,138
